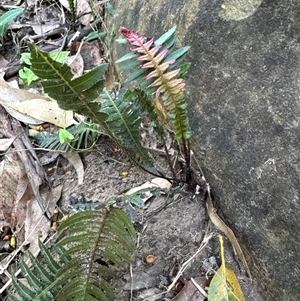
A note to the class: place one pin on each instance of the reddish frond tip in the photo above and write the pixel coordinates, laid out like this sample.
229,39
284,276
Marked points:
124,31
130,34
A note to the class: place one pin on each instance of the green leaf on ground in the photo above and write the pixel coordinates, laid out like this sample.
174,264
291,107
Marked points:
225,286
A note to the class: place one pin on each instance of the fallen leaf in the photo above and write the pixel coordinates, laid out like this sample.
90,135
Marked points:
32,108
37,226
155,182
190,291
5,143
225,285
75,160
75,62
90,53
3,61
42,28
13,187
161,182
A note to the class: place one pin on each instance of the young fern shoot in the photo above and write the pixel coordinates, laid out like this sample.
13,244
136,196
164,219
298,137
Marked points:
158,73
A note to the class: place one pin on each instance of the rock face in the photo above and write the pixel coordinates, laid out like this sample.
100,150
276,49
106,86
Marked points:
244,95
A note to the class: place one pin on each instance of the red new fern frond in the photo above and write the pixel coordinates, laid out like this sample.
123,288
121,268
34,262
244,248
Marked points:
158,62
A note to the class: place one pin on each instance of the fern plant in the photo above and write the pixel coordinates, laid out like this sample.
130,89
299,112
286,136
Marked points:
40,277
91,245
73,9
155,66
159,96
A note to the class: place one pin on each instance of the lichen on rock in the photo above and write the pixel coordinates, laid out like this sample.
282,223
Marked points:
238,9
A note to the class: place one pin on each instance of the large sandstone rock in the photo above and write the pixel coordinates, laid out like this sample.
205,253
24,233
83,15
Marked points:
244,95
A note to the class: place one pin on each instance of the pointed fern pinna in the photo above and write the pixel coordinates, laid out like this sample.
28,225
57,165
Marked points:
158,71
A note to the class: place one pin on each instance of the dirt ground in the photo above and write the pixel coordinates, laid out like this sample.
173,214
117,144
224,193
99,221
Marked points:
170,227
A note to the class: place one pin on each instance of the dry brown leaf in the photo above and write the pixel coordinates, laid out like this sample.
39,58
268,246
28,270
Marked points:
161,182
90,52
218,222
41,29
38,28
32,108
75,160
109,77
75,62
155,182
13,187
37,226
3,61
190,292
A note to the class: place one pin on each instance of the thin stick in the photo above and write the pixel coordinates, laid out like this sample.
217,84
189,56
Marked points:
131,283
199,288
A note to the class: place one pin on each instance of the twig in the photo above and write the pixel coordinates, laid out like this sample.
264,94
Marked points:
199,288
131,283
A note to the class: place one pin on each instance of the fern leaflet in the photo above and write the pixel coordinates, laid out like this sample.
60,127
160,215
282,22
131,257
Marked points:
76,94
85,135
42,284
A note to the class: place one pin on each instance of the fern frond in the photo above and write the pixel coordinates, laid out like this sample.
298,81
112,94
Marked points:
144,102
124,120
94,239
89,243
159,72
85,134
76,94
73,9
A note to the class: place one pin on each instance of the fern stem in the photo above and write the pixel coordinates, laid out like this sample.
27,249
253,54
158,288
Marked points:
160,175
169,161
187,157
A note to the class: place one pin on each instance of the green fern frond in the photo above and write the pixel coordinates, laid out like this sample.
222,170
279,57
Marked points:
86,134
124,120
73,9
144,102
94,239
42,284
91,245
76,94
159,73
